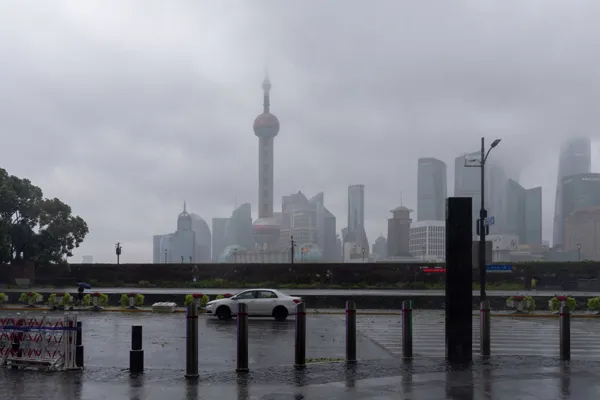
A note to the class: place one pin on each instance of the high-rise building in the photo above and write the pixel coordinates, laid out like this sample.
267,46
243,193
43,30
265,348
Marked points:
299,218
579,192
265,229
356,218
524,213
238,231
219,237
190,243
427,240
575,158
582,233
398,237
380,248
431,190
331,248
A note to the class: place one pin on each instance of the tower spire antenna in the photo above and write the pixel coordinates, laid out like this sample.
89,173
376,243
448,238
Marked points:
401,202
184,206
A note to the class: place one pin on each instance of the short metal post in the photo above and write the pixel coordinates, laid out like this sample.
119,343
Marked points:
242,338
136,354
79,346
191,342
350,332
565,332
300,347
407,332
485,329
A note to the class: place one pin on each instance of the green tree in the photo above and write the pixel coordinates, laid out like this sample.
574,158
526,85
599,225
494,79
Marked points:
33,228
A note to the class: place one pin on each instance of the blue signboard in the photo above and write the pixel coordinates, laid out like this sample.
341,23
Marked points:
499,268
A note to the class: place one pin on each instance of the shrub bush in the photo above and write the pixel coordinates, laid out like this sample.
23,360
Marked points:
3,298
527,302
555,303
24,298
189,299
594,304
219,297
139,299
102,299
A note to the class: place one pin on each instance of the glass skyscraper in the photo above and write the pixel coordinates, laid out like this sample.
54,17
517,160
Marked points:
431,190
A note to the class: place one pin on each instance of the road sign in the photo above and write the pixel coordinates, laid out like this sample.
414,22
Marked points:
490,220
506,268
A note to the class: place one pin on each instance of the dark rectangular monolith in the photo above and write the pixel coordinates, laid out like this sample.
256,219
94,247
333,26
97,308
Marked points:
459,294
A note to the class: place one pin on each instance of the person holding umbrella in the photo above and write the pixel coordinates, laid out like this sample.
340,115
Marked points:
81,286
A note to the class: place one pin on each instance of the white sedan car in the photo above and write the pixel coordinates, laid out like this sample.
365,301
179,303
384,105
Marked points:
260,302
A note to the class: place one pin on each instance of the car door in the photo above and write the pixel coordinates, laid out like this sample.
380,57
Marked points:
266,300
249,298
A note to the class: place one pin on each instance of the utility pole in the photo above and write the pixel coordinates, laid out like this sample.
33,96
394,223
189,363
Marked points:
292,247
118,251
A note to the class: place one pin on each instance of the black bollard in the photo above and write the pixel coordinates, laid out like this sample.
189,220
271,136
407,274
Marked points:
191,342
350,332
565,332
79,346
136,354
459,275
407,330
242,338
485,329
300,347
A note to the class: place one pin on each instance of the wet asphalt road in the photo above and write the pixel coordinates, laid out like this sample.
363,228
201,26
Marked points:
310,292
378,376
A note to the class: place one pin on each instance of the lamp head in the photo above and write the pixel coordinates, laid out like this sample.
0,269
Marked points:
495,143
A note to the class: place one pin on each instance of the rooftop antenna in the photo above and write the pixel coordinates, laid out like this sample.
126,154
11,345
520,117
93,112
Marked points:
236,202
401,204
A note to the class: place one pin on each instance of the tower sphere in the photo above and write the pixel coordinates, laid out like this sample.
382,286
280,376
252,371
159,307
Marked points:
266,125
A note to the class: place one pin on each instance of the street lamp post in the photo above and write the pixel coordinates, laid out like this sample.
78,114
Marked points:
118,251
166,255
579,251
363,254
190,259
482,225
423,252
292,247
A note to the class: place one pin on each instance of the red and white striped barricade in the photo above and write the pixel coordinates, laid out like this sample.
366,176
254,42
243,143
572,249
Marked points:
38,341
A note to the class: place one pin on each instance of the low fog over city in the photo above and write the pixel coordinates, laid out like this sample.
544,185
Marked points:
305,121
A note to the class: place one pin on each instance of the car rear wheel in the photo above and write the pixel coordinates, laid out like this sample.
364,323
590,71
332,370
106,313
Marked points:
280,313
223,313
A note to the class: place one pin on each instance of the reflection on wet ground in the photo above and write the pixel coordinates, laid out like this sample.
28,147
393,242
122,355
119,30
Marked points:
378,375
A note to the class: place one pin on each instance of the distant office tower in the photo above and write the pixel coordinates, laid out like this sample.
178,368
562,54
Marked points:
428,240
431,190
238,231
219,237
331,248
190,243
575,158
266,126
300,218
356,218
524,213
380,248
398,232
582,233
579,192
467,183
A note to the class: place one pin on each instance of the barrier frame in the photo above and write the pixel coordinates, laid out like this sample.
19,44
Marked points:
34,341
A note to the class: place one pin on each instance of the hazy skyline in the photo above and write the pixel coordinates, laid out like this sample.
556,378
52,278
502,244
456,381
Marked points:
124,110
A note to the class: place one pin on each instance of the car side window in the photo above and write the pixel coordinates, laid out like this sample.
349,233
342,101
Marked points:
265,294
246,295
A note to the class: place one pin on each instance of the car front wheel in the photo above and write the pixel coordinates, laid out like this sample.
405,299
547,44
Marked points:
224,313
280,313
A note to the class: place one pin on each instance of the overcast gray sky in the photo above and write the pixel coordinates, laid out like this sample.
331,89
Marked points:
124,109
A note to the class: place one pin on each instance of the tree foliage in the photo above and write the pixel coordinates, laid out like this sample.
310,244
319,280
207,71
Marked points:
33,228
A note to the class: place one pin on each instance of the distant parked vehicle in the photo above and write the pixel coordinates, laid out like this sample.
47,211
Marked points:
260,302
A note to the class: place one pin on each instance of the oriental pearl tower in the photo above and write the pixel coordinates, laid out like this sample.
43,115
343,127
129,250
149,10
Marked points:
265,229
